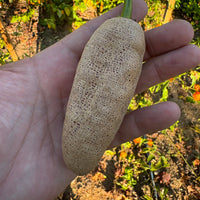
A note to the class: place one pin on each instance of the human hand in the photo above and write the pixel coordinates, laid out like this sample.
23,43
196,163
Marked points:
34,94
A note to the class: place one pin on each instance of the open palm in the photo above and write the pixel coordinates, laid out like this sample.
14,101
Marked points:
33,99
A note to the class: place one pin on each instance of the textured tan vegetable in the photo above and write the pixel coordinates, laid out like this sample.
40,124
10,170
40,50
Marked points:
104,84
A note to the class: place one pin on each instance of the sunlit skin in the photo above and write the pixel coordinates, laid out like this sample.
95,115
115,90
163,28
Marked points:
34,94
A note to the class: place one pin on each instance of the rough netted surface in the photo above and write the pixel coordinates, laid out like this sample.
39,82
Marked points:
104,84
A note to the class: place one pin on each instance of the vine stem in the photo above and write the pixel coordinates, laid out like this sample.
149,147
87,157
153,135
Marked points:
127,9
152,175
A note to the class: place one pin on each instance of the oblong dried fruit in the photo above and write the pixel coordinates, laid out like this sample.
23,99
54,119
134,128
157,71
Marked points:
104,84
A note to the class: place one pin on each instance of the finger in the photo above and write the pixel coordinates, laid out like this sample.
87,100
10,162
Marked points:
77,40
146,120
170,36
168,65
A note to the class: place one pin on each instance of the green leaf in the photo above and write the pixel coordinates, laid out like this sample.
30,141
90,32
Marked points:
145,150
126,145
153,169
25,18
190,99
109,152
124,187
193,80
67,11
164,161
150,157
158,165
59,13
147,197
165,92
15,19
54,8
158,87
132,182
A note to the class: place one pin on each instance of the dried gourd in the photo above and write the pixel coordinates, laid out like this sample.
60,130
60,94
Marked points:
104,84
